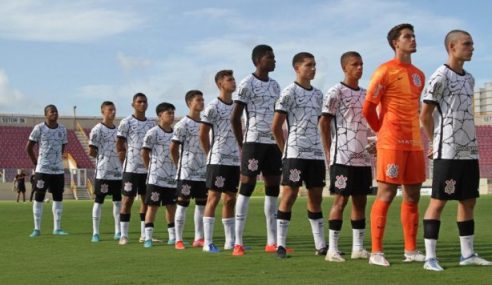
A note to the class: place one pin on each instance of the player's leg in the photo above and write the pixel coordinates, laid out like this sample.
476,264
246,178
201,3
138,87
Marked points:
169,200
37,206
358,222
128,193
56,184
213,199
314,178
335,221
246,188
200,195
183,201
228,200
149,222
96,208
115,189
141,180
432,223
409,214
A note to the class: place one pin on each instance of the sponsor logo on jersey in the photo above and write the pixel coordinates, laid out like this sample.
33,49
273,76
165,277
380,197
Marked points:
341,182
219,181
416,80
40,184
450,186
253,164
295,175
186,189
392,170
128,186
104,188
154,196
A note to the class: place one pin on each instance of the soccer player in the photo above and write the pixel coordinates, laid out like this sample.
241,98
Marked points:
191,162
102,146
222,162
20,184
447,117
131,132
52,138
257,96
344,134
303,158
161,183
395,88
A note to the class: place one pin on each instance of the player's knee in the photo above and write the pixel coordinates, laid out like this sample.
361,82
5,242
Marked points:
229,201
272,191
246,189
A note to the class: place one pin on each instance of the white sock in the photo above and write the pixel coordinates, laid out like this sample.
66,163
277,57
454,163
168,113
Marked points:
228,232
124,228
57,209
199,221
242,204
318,230
142,228
430,248
149,231
172,233
96,218
37,212
466,243
116,216
208,228
282,228
179,221
333,237
270,209
358,239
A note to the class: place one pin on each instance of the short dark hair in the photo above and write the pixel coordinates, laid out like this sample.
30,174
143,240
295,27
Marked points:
192,94
395,33
138,95
345,56
451,36
223,73
163,107
50,106
106,103
259,51
300,57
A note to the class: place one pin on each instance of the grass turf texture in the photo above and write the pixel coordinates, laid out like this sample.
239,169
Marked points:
73,259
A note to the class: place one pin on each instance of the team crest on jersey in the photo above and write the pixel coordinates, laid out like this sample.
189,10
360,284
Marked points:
295,175
416,80
219,181
154,196
40,184
104,188
450,186
186,189
128,186
253,164
341,182
392,170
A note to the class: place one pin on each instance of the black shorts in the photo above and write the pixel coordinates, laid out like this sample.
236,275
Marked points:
349,180
53,183
21,188
455,179
260,157
157,195
103,187
296,170
188,189
222,178
133,183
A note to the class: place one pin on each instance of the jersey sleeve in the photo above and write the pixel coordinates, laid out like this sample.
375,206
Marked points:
35,135
209,115
94,137
285,101
149,139
243,95
331,102
179,134
434,89
123,129
65,136
377,86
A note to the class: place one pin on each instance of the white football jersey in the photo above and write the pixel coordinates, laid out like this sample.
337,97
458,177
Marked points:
192,160
258,98
134,130
108,165
349,129
162,171
454,125
224,149
303,109
51,141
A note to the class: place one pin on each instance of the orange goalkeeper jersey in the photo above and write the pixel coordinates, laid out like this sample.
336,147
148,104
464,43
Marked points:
396,87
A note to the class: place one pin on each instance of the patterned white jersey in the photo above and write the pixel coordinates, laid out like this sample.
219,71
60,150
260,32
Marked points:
192,160
108,165
162,171
349,129
454,126
224,149
51,141
134,130
303,109
258,98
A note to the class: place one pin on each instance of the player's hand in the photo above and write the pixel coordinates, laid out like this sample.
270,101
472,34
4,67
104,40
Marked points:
371,148
430,152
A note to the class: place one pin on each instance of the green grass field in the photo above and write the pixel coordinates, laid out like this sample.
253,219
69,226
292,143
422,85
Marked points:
73,259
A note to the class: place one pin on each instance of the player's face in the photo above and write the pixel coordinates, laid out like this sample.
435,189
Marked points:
267,62
306,69
228,84
166,117
52,115
353,67
140,104
462,48
406,41
109,112
197,103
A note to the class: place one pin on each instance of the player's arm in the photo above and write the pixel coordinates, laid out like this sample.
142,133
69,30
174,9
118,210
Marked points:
121,148
369,110
174,149
30,152
278,132
325,131
236,122
92,151
145,152
427,120
204,137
